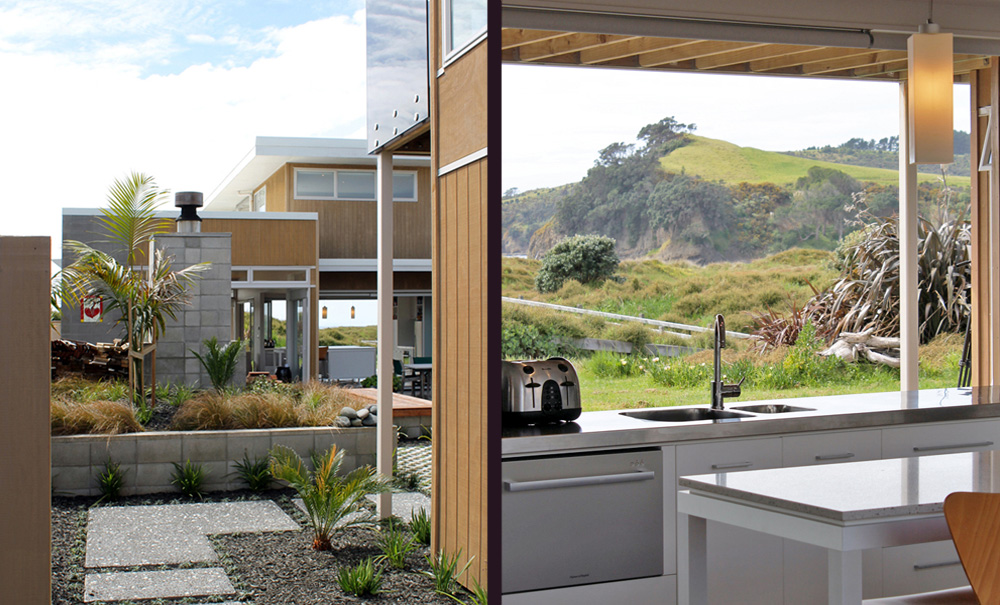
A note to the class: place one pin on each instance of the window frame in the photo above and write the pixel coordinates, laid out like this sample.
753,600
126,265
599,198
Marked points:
452,51
336,198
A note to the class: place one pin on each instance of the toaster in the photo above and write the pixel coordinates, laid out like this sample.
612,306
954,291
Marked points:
542,391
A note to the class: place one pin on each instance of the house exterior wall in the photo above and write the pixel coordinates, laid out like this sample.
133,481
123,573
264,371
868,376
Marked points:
25,572
462,339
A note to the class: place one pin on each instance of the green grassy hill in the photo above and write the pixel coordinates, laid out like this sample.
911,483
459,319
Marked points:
717,160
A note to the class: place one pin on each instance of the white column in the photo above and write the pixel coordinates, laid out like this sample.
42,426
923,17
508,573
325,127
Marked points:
909,338
386,436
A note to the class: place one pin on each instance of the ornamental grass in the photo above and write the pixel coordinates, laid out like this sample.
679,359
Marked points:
70,417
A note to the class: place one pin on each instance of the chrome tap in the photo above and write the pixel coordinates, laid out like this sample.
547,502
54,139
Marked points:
721,390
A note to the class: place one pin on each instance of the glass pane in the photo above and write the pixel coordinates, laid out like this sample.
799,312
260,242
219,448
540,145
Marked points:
239,276
468,18
313,184
279,275
356,185
404,186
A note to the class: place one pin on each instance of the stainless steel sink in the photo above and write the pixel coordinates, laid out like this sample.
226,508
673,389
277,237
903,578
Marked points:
772,408
684,415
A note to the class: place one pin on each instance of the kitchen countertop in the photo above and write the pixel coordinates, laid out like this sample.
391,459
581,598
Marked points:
856,491
606,429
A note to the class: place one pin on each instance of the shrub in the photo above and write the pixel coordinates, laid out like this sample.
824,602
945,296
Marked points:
188,478
329,499
585,258
443,571
110,481
631,332
605,364
420,524
395,546
220,362
256,472
364,579
97,417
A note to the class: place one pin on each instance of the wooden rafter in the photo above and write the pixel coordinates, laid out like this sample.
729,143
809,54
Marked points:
692,51
512,38
628,48
747,55
565,44
797,59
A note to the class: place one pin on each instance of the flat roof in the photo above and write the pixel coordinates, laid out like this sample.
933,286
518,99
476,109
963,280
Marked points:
268,154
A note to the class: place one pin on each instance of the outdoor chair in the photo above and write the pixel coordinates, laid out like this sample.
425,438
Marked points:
408,378
974,522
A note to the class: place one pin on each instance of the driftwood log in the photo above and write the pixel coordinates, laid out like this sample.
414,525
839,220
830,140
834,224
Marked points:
849,346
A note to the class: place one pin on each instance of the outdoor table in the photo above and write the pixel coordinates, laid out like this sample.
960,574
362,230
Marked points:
844,508
423,372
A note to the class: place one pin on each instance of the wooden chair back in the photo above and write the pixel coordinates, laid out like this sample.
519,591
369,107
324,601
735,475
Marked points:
974,522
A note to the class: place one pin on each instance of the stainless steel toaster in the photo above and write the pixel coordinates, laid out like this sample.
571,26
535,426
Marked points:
541,391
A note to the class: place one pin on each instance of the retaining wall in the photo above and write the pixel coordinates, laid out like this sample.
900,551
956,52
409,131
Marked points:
147,458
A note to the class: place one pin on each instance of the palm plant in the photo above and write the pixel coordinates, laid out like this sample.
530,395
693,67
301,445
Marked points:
144,301
332,502
220,362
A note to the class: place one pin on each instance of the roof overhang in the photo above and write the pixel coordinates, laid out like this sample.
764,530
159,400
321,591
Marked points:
271,153
811,38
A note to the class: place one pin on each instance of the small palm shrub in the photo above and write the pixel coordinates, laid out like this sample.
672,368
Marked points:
110,481
255,472
362,580
220,362
420,525
444,571
329,499
188,478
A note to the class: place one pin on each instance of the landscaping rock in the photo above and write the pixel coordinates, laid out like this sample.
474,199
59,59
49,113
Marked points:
363,413
348,412
370,421
373,408
357,422
342,422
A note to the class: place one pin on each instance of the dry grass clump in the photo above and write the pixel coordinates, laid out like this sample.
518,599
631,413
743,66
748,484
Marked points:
94,417
266,406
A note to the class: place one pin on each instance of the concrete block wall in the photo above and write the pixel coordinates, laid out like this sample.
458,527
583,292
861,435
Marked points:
147,458
208,315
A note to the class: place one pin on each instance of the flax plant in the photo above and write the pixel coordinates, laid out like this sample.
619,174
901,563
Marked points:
332,502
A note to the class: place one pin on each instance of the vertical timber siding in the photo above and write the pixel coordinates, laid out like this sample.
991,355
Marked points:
25,572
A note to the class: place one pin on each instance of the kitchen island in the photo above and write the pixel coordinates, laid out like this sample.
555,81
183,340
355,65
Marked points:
745,566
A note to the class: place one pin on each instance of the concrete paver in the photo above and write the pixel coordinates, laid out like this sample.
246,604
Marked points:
173,533
120,586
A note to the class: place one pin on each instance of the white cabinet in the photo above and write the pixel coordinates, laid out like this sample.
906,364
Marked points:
743,566
921,568
661,590
830,448
940,438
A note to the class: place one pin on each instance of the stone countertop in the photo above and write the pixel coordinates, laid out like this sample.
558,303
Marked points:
610,429
856,491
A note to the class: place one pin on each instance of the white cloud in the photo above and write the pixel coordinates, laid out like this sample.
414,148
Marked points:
67,130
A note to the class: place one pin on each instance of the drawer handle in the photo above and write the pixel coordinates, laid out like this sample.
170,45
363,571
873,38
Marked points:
718,467
529,486
843,456
935,448
935,565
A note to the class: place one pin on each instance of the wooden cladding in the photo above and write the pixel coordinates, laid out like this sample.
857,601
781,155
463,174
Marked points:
461,126
268,242
25,572
461,344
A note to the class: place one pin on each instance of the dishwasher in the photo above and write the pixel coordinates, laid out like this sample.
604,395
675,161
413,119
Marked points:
579,519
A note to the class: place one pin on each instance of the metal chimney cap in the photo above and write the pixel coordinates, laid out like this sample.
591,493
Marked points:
188,198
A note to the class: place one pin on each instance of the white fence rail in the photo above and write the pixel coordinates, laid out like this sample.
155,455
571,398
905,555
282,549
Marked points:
652,322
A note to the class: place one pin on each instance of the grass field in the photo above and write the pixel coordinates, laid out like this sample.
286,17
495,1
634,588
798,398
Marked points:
716,160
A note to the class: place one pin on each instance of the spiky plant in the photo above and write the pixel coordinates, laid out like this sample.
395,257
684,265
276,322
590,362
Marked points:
329,499
220,362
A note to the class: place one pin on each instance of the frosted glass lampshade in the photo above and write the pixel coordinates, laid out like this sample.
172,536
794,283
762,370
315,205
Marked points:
930,73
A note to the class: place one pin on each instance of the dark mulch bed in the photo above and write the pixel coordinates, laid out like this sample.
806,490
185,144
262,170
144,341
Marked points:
267,568
163,417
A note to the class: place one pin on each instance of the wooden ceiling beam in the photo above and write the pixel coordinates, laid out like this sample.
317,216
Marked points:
748,54
570,43
854,62
695,50
805,57
512,38
628,48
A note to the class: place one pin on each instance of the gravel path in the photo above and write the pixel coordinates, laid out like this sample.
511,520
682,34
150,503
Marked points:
266,568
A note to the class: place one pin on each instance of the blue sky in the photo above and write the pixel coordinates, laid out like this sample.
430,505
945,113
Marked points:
174,88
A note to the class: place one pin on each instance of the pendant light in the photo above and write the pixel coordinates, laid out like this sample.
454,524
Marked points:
324,311
930,75
352,311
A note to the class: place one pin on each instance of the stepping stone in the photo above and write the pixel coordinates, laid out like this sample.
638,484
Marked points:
404,504
121,586
123,536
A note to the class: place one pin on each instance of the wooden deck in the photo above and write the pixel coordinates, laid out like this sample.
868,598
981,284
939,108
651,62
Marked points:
402,405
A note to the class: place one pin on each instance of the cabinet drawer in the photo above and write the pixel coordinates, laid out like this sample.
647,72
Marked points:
947,438
827,448
728,456
921,568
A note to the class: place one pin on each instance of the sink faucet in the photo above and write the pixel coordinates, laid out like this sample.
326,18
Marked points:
721,390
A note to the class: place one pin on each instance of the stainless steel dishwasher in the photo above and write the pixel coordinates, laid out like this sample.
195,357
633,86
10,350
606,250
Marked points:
581,519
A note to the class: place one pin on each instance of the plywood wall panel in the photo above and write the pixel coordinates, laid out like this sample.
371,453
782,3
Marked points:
464,130
261,242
